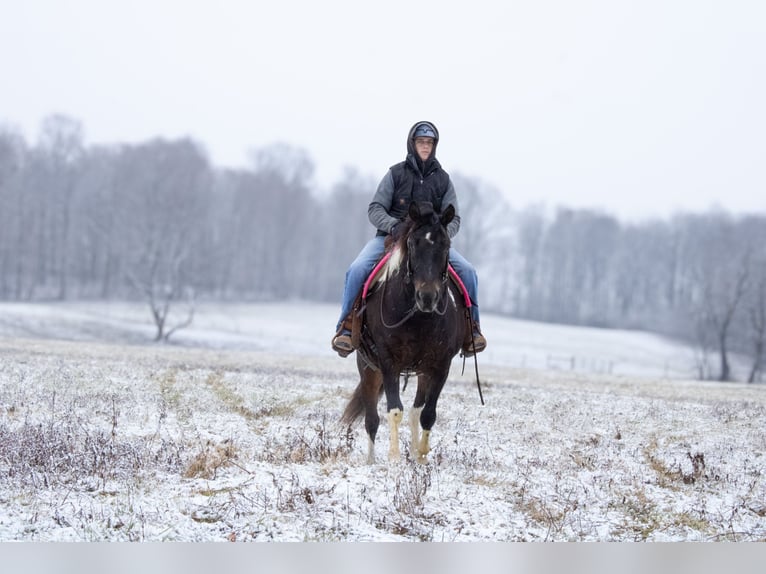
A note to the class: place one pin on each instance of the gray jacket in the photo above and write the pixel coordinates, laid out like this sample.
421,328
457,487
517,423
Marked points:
381,203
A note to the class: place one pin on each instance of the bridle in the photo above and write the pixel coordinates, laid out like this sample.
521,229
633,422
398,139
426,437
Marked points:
407,279
408,275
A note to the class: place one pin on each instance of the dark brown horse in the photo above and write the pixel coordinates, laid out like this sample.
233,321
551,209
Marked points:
415,323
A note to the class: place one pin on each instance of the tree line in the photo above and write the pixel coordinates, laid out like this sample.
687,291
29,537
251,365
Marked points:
156,221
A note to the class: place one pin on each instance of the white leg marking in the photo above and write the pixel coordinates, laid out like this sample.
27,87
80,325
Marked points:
414,430
423,448
394,418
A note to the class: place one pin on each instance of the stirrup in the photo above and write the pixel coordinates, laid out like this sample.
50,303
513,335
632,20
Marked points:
341,343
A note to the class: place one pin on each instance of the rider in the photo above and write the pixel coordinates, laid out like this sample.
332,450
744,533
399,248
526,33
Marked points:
420,178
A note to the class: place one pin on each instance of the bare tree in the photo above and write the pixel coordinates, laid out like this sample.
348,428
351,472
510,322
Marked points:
12,152
282,180
754,229
102,240
720,314
482,212
721,270
61,140
340,231
756,312
160,279
525,283
168,187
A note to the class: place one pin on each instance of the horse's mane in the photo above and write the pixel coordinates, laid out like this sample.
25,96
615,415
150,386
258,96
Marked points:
397,249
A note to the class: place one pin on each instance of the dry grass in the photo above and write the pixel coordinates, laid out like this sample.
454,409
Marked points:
212,457
188,445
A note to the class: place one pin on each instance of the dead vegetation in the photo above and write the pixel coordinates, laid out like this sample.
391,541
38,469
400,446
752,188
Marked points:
184,445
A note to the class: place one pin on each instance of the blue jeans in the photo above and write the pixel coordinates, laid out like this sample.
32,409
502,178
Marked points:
364,263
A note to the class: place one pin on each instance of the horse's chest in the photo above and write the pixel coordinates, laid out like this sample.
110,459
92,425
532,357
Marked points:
417,349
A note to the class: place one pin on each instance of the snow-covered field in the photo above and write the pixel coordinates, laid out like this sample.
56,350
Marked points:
231,433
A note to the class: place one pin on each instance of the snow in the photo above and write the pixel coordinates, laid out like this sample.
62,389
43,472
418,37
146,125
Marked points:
231,433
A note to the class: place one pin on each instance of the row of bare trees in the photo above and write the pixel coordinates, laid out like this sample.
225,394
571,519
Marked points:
699,277
156,220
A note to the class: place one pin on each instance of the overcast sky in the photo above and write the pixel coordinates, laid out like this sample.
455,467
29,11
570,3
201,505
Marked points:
637,107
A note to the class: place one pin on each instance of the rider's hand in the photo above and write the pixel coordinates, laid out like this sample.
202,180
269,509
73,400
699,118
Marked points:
397,231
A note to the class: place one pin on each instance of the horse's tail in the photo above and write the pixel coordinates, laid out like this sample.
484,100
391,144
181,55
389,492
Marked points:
366,394
355,406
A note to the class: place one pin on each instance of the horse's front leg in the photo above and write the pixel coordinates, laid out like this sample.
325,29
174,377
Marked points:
423,414
395,412
418,443
394,418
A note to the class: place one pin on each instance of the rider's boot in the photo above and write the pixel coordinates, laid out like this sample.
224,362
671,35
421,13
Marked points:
341,342
475,343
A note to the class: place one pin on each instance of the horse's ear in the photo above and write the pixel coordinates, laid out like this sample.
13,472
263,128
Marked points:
414,211
448,215
420,210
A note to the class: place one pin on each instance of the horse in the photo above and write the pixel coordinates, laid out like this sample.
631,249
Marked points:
415,322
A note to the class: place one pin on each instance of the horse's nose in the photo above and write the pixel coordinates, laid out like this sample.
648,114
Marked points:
426,300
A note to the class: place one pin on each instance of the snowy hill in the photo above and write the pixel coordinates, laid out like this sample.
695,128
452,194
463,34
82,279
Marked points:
306,328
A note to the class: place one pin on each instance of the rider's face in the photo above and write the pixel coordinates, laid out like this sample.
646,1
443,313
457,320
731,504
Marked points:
423,147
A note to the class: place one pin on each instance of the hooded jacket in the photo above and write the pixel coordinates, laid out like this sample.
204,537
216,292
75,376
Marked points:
413,180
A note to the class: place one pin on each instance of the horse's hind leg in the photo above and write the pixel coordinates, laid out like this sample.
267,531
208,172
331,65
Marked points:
372,384
371,422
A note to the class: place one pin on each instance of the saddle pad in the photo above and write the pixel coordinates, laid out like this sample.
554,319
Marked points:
453,274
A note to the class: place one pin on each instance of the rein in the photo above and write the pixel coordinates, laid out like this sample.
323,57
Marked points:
407,315
406,318
407,279
475,360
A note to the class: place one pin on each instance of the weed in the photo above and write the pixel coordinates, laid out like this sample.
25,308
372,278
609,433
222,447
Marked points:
315,441
410,487
669,476
641,518
68,449
206,463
